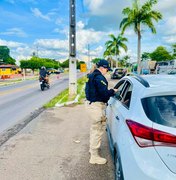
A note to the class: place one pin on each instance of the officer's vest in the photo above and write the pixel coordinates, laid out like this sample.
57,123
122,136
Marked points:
90,89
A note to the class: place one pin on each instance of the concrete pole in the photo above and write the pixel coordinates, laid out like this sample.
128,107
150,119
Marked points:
88,54
72,51
72,77
24,75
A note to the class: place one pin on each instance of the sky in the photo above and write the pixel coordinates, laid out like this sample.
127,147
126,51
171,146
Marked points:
42,26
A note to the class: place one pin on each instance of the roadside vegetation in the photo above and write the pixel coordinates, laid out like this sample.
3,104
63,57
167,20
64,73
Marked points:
63,97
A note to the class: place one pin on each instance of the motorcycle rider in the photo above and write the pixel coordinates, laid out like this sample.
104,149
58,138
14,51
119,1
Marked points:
44,73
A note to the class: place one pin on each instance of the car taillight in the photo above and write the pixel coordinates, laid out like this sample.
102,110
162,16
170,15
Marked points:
147,136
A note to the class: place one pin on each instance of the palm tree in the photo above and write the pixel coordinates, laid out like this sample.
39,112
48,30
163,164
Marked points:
108,53
138,15
113,45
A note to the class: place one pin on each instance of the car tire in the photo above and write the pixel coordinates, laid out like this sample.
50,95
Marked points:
118,168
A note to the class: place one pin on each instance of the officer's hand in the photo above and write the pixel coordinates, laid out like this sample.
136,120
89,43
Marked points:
115,90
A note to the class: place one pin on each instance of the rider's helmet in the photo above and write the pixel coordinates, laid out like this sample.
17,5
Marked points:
43,68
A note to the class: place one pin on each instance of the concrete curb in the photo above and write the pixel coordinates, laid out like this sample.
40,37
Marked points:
70,102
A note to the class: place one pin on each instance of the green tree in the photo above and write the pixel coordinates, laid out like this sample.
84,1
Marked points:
24,64
126,60
5,56
113,46
37,63
95,60
65,64
137,16
145,56
108,54
161,54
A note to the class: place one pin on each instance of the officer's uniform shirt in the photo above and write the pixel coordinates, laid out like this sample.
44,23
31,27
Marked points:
101,88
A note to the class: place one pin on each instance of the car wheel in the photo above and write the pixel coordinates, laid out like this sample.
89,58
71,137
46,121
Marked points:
118,169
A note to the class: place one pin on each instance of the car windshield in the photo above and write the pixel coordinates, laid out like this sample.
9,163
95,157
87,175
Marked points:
161,109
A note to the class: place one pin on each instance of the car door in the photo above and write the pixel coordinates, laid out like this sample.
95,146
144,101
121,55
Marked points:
113,103
121,112
118,108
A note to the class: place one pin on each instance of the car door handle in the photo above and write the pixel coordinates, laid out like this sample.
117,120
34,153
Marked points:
117,117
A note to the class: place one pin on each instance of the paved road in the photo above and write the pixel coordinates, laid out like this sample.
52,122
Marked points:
19,101
54,146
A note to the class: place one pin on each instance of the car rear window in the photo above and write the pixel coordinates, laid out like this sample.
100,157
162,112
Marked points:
161,109
119,71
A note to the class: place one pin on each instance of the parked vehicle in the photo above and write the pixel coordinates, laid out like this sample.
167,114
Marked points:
148,67
43,83
165,66
172,72
141,127
117,73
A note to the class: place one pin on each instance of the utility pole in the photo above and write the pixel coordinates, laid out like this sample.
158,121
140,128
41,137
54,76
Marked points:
37,50
72,50
88,53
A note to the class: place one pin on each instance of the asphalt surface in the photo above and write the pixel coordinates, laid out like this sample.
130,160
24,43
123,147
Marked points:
54,146
19,101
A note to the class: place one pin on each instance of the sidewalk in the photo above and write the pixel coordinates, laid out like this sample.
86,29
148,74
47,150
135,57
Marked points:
54,146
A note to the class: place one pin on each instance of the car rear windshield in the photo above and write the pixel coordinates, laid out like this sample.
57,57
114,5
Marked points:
118,71
161,109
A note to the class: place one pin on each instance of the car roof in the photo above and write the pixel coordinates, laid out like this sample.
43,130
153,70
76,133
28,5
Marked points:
150,85
160,80
154,80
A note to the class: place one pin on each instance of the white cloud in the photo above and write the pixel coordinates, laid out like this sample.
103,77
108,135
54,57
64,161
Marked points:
38,13
94,6
80,25
170,39
17,50
166,6
11,44
22,53
14,32
87,36
171,25
129,32
105,7
52,44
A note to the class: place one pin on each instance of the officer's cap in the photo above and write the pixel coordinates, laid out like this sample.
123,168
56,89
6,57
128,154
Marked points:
104,63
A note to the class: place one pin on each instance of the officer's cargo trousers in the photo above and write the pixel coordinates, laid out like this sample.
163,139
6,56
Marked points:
96,113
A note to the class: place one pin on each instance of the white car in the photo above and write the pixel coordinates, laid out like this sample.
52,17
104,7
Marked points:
141,127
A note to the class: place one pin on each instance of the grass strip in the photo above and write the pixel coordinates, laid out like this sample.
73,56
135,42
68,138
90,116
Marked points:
63,97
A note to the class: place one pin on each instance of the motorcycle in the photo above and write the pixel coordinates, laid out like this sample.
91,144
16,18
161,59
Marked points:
43,83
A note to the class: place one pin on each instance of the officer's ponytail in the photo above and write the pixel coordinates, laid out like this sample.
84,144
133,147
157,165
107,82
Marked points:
94,66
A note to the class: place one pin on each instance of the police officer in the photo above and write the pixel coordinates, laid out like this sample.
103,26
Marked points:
97,95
